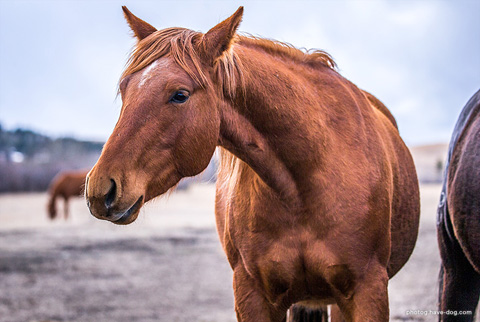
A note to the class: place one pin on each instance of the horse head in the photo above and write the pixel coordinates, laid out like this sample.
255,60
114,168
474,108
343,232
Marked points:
169,123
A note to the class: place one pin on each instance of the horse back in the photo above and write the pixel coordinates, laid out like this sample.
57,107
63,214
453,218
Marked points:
381,107
68,183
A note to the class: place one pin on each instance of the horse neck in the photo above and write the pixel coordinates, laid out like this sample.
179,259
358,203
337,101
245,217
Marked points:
272,123
240,137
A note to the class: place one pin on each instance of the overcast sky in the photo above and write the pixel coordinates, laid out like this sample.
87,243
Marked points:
60,60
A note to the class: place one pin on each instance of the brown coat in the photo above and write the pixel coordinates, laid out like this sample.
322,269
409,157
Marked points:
317,197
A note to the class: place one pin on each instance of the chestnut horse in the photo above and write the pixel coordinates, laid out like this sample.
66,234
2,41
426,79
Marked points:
66,184
458,218
317,196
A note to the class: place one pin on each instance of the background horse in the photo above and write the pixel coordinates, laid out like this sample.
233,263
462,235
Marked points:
458,217
66,184
317,196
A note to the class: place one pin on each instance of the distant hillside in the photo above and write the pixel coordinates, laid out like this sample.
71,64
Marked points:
29,160
32,144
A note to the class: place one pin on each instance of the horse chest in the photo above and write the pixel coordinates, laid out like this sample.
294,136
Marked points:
286,256
294,267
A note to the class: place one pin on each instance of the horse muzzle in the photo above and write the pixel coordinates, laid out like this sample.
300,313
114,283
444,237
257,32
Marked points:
107,202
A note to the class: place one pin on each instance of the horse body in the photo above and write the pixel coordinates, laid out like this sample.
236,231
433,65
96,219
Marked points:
351,181
317,198
458,217
66,184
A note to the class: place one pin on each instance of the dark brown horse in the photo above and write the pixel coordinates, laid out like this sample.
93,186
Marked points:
458,218
317,197
66,184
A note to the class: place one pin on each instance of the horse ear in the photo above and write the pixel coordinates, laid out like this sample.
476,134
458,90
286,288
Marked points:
219,39
140,28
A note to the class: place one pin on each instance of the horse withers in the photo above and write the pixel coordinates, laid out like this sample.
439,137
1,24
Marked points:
65,184
317,199
458,219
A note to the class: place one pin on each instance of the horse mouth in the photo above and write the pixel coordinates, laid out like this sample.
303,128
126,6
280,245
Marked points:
127,217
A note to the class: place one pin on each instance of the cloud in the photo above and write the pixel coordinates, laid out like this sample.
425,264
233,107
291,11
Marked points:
64,58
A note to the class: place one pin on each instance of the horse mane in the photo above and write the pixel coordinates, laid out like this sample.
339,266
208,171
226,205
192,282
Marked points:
181,44
311,57
230,170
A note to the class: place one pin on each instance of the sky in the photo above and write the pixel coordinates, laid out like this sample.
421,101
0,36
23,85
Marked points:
60,61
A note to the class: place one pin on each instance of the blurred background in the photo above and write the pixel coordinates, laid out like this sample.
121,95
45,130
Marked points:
60,62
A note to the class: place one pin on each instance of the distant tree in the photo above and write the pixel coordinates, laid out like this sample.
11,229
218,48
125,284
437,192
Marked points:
439,167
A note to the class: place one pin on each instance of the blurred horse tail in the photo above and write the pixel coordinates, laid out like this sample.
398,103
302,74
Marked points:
458,218
66,184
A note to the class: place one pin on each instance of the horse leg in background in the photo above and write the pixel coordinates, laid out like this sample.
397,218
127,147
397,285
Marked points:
52,207
250,304
65,205
459,283
300,313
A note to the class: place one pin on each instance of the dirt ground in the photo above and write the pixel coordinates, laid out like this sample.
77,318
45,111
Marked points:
167,266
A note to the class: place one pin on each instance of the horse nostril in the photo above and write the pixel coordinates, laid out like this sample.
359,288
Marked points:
110,196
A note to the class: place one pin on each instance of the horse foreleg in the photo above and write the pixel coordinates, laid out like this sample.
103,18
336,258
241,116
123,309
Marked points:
335,314
250,304
369,300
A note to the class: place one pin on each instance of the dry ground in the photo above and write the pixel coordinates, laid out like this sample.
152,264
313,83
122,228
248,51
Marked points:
168,266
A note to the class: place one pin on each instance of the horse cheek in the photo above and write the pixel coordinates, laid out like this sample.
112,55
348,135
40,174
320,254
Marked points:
196,144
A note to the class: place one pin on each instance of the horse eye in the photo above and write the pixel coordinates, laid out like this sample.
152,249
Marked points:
180,97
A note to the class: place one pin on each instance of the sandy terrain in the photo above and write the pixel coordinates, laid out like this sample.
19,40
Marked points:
167,266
